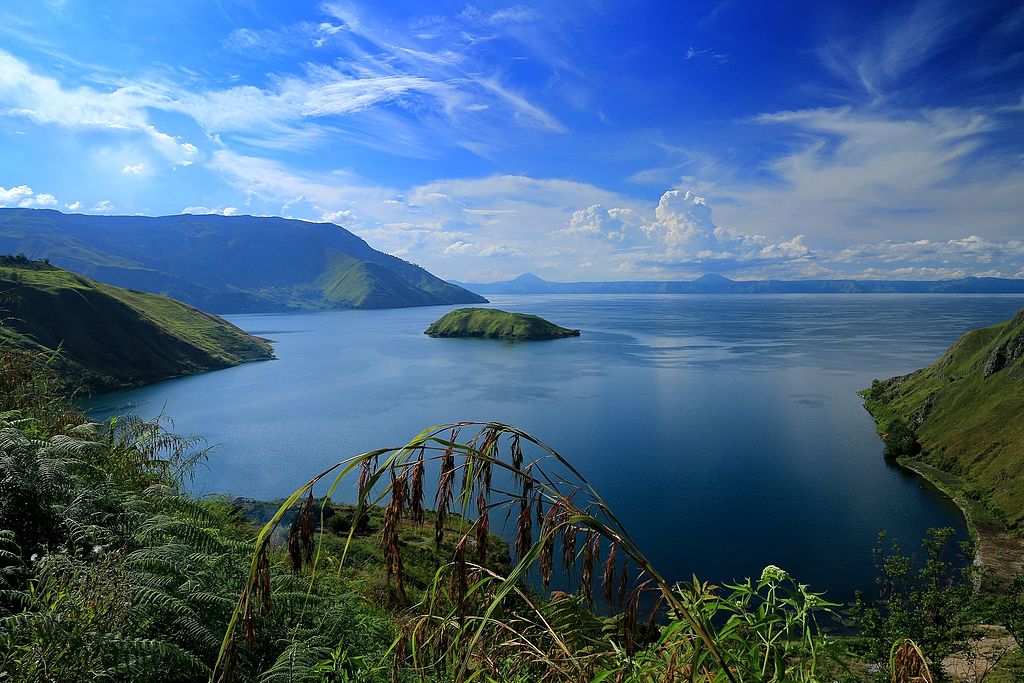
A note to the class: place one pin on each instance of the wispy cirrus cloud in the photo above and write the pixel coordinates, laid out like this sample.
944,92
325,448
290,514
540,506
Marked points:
901,40
855,174
357,83
44,100
706,54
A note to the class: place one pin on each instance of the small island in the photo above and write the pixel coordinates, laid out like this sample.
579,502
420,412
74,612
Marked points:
491,323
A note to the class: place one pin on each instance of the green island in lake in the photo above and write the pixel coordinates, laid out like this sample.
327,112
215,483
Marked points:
491,323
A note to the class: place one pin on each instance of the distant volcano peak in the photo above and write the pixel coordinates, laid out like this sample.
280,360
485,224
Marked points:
529,277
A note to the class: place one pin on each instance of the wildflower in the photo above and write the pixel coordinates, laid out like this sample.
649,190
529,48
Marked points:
773,574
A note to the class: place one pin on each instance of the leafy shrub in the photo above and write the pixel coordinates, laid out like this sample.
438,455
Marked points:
899,438
929,605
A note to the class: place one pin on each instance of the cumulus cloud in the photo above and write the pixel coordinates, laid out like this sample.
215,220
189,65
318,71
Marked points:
565,229
683,218
133,169
24,196
202,210
679,233
340,217
596,221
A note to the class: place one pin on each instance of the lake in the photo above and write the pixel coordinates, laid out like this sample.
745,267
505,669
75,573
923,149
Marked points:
724,431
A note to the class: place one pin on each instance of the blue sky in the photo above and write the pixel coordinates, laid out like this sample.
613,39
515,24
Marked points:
576,140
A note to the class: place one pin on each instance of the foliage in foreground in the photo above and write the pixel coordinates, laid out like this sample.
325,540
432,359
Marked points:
929,605
473,623
108,571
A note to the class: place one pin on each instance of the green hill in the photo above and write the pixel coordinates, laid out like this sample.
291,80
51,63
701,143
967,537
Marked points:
111,337
492,323
965,412
228,263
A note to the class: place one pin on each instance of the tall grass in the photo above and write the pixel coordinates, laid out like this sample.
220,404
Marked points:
473,623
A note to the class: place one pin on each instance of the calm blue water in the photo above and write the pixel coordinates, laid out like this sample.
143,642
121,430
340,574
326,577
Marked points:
724,431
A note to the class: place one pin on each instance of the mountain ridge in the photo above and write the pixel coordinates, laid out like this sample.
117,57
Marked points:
104,337
964,412
711,283
228,263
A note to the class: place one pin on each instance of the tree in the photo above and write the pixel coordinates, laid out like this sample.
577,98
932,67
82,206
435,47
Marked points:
929,604
899,439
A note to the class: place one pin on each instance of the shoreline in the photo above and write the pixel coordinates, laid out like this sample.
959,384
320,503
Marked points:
995,549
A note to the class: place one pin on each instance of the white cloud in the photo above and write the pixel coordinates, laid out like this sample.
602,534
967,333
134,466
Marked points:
24,196
103,206
683,219
15,195
202,210
73,206
707,54
133,169
931,259
46,101
490,251
596,221
866,175
902,39
338,217
434,89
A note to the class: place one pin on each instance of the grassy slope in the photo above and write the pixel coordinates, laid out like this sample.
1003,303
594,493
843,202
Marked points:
363,284
495,324
112,337
967,409
227,263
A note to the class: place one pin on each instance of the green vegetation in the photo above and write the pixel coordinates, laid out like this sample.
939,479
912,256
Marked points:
492,323
110,337
963,413
931,606
228,263
109,571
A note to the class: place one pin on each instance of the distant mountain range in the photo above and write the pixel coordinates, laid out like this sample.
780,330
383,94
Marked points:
716,284
105,337
227,263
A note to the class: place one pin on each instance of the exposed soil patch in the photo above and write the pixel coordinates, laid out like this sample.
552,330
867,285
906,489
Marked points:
1001,554
982,656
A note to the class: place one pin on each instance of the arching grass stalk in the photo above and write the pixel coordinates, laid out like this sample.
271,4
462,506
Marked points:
463,614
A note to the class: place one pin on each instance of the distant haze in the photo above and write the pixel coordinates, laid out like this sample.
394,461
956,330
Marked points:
529,283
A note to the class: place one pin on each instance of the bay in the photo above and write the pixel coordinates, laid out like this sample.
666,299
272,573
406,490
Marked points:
725,431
